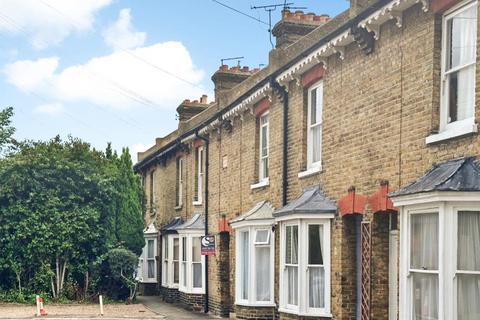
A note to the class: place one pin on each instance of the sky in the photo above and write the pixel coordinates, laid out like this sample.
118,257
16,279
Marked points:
116,70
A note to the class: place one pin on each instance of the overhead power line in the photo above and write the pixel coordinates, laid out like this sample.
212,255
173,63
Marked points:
240,12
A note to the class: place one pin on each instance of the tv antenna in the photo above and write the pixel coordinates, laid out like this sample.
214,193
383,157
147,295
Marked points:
272,7
229,59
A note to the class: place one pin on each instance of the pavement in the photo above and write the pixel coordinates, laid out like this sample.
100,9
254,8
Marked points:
170,311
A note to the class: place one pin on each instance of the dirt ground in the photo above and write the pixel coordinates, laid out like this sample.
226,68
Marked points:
118,311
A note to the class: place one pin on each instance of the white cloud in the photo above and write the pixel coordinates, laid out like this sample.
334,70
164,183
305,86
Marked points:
121,35
138,147
50,109
48,22
119,80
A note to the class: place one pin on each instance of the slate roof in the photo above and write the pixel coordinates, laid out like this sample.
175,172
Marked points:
196,222
261,211
172,226
312,200
454,175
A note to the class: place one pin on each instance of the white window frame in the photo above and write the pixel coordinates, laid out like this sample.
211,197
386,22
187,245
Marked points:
447,204
199,156
252,229
179,194
142,271
189,288
303,308
167,258
153,191
460,127
262,175
310,164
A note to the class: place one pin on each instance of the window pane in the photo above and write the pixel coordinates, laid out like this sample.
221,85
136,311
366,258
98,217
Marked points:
461,90
425,296
184,249
462,32
292,283
196,250
313,106
184,274
262,267
175,249
151,269
468,297
264,168
424,241
197,275
316,287
291,245
151,249
264,141
468,257
315,249
316,142
175,272
245,263
261,236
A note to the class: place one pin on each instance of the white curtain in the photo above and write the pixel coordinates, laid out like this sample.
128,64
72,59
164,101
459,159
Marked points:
245,263
292,276
463,32
316,271
468,259
424,256
262,273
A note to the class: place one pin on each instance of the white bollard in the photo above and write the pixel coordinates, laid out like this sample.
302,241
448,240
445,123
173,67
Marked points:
37,298
100,298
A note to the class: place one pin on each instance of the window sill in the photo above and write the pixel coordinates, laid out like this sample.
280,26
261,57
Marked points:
310,172
148,281
452,133
197,203
179,207
256,305
191,291
305,314
261,184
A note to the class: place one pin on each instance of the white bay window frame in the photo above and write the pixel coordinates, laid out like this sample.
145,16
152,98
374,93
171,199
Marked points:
303,297
447,205
187,284
251,263
450,128
168,261
145,258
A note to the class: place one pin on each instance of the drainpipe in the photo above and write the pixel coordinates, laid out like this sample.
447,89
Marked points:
206,140
284,93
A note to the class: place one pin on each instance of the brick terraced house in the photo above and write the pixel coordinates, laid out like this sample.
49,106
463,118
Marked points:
339,182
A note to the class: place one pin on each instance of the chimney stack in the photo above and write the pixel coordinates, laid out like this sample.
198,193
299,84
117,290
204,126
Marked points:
226,78
295,25
188,109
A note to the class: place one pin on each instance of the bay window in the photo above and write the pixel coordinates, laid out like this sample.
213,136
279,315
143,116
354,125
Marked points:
254,265
305,267
147,263
459,46
191,277
170,261
447,285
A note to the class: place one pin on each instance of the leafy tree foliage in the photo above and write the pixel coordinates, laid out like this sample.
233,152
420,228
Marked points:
63,206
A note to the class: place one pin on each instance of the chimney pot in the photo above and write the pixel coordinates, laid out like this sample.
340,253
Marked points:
195,101
224,67
245,69
204,99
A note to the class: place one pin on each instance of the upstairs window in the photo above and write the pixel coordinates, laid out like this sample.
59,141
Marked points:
179,194
314,125
199,155
153,192
263,146
458,70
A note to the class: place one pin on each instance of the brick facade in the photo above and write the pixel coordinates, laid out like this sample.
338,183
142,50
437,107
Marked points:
378,109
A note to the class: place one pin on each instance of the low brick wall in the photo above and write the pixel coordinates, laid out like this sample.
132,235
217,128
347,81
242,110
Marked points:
257,313
169,295
148,289
193,302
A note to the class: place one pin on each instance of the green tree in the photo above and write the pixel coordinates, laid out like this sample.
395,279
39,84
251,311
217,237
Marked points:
6,130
